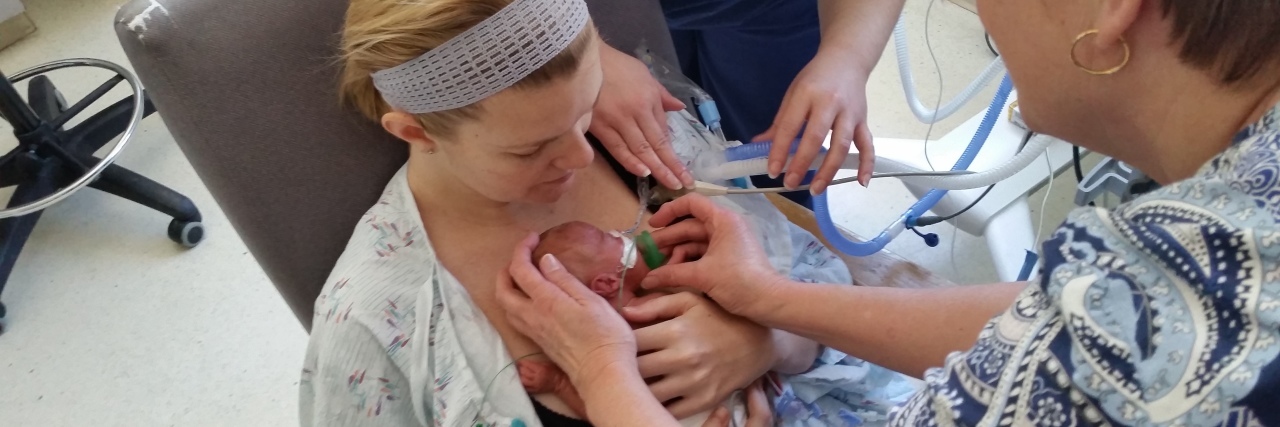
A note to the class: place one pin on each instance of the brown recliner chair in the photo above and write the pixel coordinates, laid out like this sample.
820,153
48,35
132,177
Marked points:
248,89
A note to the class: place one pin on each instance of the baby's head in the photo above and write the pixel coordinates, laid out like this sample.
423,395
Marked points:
594,257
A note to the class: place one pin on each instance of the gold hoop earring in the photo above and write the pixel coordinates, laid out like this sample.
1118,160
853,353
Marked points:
1106,72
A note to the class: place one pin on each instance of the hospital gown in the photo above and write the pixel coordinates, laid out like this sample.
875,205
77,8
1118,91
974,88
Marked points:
1163,311
397,341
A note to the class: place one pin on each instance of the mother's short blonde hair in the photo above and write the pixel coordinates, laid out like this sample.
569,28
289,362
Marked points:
381,34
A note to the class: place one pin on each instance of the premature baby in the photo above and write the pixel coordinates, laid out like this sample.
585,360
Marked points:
597,259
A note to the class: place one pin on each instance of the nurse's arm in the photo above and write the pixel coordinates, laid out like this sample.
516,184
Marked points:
859,28
907,330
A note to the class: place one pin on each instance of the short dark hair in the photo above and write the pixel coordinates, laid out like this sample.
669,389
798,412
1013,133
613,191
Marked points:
1236,39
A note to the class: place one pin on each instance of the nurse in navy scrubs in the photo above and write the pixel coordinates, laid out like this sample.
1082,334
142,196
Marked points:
778,69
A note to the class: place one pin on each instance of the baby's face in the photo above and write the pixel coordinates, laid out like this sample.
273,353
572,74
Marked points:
596,258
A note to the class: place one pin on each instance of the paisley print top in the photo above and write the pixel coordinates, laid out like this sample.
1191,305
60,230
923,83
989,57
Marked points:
1163,311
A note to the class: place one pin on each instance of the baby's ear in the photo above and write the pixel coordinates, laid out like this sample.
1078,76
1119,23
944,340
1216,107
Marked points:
605,285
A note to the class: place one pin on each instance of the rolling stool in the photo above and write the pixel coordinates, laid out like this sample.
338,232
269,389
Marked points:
51,161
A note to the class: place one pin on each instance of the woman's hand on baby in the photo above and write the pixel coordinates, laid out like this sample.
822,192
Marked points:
731,266
630,119
698,353
576,329
829,95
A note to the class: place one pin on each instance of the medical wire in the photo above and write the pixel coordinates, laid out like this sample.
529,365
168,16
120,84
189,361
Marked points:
642,193
1075,157
931,220
509,365
955,231
1048,191
622,279
938,70
1079,169
846,181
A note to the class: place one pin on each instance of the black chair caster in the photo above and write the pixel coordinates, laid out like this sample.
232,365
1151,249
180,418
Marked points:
188,234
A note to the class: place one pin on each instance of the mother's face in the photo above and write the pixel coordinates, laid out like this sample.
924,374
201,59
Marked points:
527,144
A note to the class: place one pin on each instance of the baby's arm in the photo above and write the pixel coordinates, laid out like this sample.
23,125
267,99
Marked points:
539,377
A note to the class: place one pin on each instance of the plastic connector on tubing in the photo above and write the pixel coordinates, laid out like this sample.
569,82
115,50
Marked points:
709,189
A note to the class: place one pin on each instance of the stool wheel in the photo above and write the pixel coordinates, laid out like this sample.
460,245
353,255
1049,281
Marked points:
187,234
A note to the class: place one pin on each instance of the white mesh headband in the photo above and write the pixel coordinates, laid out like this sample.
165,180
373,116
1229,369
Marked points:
485,59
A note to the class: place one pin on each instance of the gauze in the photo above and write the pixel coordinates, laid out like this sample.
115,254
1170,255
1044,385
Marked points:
628,250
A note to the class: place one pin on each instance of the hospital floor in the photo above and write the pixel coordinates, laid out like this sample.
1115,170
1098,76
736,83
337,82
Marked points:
111,324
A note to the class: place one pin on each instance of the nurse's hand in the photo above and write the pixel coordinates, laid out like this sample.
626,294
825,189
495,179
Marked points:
731,266
576,329
829,95
630,119
698,354
759,412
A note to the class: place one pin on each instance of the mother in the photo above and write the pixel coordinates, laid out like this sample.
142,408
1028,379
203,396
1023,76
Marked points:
1163,311
493,98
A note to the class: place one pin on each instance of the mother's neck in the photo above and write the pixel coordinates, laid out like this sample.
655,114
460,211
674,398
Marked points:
1185,128
441,194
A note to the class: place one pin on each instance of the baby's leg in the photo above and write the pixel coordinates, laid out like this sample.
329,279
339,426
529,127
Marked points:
540,377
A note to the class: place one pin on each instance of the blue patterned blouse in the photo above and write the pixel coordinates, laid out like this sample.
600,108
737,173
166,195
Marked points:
1163,311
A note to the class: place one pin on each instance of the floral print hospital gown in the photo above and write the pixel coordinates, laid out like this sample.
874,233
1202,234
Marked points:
1163,311
397,340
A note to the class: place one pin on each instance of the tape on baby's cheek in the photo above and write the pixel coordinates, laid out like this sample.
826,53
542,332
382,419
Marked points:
629,255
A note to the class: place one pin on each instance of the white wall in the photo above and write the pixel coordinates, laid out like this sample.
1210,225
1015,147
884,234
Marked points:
10,8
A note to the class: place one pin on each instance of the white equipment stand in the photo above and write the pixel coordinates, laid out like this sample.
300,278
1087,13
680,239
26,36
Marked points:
1004,216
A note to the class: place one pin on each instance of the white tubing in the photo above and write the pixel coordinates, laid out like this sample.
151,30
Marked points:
1034,149
923,113
1030,153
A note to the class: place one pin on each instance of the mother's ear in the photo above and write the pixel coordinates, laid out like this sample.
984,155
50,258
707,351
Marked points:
407,127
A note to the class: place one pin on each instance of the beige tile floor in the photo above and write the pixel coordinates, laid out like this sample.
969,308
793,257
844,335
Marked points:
111,324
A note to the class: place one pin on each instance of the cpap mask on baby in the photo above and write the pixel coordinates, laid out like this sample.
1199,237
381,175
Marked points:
725,175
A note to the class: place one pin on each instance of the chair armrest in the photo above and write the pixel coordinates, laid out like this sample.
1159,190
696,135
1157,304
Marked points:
881,269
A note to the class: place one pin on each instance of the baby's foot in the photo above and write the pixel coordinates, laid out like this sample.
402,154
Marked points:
539,377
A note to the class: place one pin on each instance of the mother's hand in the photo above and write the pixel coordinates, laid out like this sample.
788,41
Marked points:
576,329
702,353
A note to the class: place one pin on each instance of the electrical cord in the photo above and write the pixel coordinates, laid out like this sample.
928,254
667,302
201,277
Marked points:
1075,157
1075,164
937,70
932,220
1048,191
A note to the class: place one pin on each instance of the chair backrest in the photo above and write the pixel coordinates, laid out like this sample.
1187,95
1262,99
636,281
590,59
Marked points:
248,89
